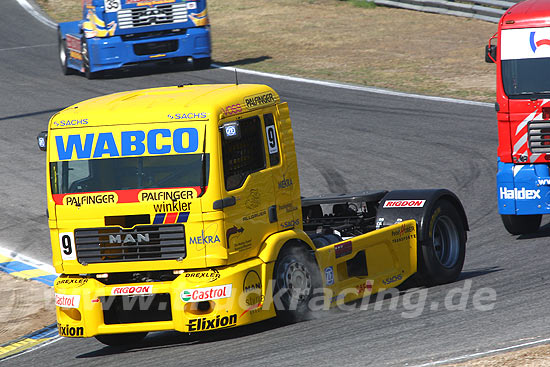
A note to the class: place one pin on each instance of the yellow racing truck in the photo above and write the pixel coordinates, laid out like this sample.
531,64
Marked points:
179,208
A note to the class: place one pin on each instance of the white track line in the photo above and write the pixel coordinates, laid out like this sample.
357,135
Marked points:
35,13
38,346
482,354
355,87
24,47
27,260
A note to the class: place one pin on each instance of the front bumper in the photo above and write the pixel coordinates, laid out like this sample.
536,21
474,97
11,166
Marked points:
114,52
523,189
197,300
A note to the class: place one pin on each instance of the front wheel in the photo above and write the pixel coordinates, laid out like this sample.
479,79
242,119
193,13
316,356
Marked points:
441,254
118,340
521,224
296,279
86,61
63,55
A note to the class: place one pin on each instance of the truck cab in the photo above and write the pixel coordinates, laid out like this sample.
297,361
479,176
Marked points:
179,208
521,50
116,33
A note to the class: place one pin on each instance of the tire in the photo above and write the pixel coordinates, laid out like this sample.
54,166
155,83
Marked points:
441,254
521,224
63,55
204,63
118,340
86,61
296,278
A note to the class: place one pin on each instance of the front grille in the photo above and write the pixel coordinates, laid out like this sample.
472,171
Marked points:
159,14
138,308
151,48
539,136
114,244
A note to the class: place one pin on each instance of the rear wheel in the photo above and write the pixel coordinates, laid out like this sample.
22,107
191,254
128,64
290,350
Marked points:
116,340
296,279
441,254
521,224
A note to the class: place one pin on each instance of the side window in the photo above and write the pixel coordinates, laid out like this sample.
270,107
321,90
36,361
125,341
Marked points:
243,156
272,143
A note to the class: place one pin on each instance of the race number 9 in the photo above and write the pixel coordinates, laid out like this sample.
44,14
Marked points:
112,5
271,139
66,244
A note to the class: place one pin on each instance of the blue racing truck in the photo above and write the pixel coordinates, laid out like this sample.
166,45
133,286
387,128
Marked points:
117,33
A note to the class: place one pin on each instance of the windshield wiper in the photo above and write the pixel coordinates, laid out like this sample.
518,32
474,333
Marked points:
203,163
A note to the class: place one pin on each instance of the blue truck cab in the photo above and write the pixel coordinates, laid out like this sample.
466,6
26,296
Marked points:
117,33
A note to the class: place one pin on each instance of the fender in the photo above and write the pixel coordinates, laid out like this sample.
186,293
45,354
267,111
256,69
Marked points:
272,245
388,215
69,27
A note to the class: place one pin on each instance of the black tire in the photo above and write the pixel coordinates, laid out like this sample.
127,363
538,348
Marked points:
63,53
86,61
204,63
118,340
296,278
441,254
521,224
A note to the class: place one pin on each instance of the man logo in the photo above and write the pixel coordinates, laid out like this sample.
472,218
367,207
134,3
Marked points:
129,238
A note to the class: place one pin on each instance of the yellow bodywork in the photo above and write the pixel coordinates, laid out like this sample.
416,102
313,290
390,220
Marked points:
223,276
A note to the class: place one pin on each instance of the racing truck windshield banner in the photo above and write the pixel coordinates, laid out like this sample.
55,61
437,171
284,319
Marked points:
89,160
525,56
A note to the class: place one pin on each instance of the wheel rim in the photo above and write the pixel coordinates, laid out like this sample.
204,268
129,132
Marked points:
298,281
446,241
85,58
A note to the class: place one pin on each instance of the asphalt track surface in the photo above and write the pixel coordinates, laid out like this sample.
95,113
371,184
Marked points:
346,141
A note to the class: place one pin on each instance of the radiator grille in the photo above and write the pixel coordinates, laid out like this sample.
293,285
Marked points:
145,16
138,308
114,244
151,48
539,136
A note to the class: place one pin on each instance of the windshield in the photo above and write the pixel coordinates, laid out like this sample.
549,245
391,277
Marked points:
146,172
526,78
525,61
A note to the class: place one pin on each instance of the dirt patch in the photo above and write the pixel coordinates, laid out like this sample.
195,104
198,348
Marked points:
532,357
28,306
334,40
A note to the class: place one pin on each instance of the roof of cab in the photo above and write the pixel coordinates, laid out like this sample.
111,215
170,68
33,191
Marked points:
526,14
178,103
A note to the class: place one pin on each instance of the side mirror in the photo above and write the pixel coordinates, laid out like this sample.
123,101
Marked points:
490,53
231,130
42,139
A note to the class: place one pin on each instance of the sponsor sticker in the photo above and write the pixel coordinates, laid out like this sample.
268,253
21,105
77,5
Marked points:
67,301
68,330
404,203
132,289
202,276
206,294
259,100
204,323
90,199
70,282
252,289
126,143
329,275
367,286
343,249
406,232
519,194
